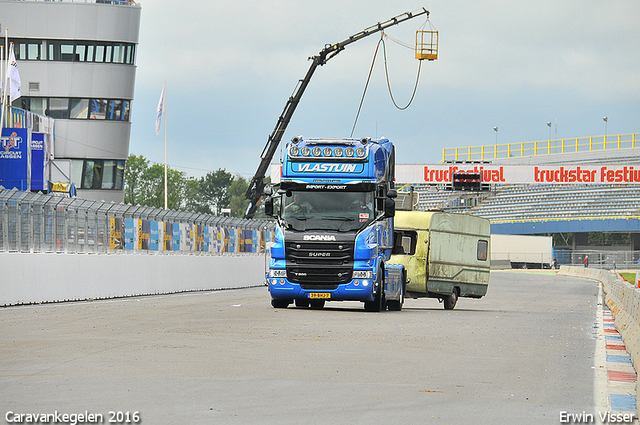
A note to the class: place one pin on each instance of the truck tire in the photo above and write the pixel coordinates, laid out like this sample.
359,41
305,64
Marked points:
379,303
280,303
451,300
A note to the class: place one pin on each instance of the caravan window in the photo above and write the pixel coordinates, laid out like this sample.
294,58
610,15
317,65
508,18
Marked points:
483,250
405,242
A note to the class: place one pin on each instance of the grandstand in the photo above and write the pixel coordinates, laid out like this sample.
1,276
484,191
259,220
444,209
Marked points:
531,208
560,202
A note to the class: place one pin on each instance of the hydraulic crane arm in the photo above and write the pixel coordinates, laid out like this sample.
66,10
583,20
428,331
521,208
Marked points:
256,187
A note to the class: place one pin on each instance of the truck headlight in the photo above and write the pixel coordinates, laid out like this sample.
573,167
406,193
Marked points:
362,274
278,273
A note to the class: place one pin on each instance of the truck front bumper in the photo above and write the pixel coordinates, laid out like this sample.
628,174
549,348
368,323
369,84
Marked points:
356,290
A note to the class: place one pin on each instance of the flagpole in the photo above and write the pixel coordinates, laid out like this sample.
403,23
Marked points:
5,76
2,85
165,149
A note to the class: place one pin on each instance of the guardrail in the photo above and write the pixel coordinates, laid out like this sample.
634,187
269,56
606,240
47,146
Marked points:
542,147
33,222
623,298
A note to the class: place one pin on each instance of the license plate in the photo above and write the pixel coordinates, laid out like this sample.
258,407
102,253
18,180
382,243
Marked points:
320,295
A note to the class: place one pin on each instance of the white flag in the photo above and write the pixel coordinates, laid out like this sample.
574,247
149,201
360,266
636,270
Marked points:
14,76
160,110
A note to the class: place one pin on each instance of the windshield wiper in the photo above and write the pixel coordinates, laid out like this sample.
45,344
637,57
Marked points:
339,218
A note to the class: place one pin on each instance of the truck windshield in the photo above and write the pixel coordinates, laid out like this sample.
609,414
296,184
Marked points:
327,210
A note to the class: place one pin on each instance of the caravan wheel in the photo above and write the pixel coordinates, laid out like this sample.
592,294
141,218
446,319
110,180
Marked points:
451,300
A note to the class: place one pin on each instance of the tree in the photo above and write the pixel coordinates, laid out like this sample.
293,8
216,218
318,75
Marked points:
136,166
193,197
214,189
144,185
153,193
237,203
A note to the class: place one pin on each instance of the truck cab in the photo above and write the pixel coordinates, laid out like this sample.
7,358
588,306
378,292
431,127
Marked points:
334,208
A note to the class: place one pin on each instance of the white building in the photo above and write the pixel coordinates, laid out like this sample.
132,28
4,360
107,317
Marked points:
77,65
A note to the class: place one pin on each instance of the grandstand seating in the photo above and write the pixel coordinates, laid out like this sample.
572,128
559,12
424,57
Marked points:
535,202
560,202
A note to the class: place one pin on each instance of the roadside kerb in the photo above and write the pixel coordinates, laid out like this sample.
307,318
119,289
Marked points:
624,300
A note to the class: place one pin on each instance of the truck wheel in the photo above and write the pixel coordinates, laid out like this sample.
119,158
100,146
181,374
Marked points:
451,300
379,303
279,303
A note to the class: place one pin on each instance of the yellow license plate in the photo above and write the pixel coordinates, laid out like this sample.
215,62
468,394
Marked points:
320,295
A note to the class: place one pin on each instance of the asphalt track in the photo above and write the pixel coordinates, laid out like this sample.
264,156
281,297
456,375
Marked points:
522,354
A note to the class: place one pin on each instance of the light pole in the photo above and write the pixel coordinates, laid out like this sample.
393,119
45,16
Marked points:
606,120
496,130
549,125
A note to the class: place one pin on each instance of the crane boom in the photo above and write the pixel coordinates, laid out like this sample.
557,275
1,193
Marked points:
255,190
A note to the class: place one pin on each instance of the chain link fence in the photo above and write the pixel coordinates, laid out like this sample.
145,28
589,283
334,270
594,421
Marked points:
600,259
34,222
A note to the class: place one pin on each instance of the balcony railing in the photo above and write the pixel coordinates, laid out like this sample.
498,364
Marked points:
543,147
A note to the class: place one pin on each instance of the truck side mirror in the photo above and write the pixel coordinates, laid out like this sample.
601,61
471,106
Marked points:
268,206
392,193
389,207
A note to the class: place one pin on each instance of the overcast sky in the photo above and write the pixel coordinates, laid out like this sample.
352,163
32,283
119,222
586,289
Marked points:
230,67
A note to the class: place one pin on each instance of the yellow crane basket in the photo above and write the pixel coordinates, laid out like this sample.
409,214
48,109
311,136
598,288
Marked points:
427,45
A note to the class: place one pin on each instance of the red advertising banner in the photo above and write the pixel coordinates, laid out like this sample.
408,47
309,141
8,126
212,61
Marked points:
520,174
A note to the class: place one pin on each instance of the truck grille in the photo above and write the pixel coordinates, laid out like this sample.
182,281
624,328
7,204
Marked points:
319,265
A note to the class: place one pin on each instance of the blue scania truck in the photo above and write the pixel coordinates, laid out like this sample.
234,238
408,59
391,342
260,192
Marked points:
334,205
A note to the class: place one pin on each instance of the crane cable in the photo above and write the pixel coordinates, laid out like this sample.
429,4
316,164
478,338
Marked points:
384,48
386,71
366,86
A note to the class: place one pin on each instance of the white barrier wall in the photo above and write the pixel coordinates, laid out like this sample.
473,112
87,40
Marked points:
623,299
27,278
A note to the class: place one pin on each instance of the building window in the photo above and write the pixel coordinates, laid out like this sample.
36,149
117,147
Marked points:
98,109
92,174
59,108
37,105
99,53
118,53
77,108
73,50
90,49
81,52
107,174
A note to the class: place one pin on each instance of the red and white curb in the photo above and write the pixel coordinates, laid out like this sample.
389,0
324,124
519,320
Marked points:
615,389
